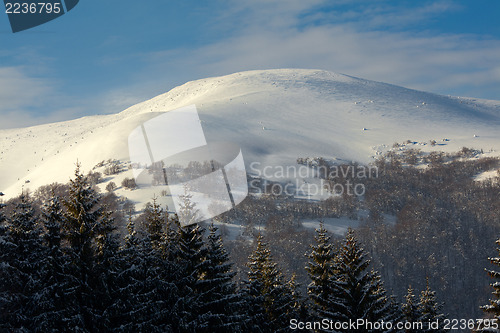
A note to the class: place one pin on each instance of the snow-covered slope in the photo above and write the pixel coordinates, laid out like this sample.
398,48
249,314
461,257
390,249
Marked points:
275,116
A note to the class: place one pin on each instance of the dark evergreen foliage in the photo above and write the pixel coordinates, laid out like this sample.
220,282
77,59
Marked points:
431,310
411,310
64,268
217,305
320,271
20,254
494,304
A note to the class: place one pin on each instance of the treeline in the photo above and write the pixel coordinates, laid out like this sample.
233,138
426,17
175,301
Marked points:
425,216
445,223
64,268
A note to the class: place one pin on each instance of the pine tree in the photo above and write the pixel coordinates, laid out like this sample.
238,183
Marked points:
188,213
320,271
411,310
494,306
145,295
217,305
81,217
86,224
56,302
2,215
430,310
52,217
21,257
5,248
357,291
105,271
191,257
155,222
131,239
270,302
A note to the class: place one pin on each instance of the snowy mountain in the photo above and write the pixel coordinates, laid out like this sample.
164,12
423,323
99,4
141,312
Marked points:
275,116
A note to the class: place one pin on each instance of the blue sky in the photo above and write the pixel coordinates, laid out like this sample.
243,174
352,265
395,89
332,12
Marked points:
104,56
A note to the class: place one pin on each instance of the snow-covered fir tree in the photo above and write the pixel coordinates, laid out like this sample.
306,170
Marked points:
191,258
493,308
155,221
357,290
320,271
2,214
105,270
82,216
57,307
430,310
87,227
270,302
146,293
21,253
4,254
52,217
131,238
411,310
218,304
188,213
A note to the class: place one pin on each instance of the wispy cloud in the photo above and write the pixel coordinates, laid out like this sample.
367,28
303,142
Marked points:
373,39
18,93
369,15
273,35
18,90
22,96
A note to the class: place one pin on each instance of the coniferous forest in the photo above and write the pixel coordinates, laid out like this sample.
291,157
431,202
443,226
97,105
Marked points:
73,259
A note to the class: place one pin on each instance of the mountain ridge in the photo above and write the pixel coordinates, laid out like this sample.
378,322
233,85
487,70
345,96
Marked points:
276,116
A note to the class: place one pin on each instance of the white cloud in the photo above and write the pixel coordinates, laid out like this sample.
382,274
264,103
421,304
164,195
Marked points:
21,118
17,90
273,36
376,15
23,95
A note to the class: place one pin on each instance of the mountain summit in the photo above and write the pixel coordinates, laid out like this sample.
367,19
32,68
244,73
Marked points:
275,116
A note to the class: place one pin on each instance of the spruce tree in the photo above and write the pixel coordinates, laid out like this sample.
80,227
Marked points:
131,238
299,306
146,293
82,217
105,271
2,215
86,224
21,257
320,271
57,308
357,290
188,213
155,222
494,306
411,310
192,258
127,285
430,310
217,304
270,302
5,248
52,217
